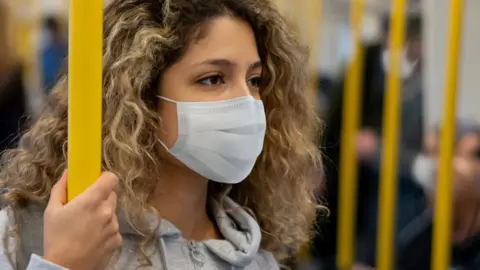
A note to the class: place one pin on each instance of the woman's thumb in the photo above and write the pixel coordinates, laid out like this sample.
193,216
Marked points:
58,196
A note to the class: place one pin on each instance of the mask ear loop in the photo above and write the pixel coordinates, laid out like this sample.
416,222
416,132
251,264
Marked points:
167,99
172,101
164,146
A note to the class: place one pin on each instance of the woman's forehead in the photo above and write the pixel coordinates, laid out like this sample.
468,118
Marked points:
224,38
469,142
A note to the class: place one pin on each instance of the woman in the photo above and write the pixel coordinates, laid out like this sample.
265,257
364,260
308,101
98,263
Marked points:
208,143
415,246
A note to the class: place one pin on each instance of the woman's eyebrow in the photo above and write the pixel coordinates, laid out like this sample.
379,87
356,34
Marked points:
225,63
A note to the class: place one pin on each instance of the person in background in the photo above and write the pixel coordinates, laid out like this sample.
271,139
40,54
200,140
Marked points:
12,91
467,170
368,146
54,52
467,184
415,250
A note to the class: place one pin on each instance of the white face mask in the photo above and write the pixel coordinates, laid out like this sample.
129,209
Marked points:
407,67
220,140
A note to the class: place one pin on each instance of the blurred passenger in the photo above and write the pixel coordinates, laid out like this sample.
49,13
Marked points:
415,249
467,185
466,178
12,93
54,52
466,145
411,197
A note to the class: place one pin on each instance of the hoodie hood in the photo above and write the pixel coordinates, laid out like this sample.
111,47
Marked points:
241,232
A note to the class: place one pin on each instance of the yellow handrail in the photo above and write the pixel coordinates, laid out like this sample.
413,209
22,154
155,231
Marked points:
314,9
27,30
443,205
348,161
85,94
388,179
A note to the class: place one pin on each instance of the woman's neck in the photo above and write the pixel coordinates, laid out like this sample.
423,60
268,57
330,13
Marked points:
181,198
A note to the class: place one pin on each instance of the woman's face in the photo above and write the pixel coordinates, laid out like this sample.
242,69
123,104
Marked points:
223,64
467,145
468,148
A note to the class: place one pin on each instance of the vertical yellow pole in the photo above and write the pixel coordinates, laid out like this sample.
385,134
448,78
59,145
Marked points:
443,206
389,175
314,11
311,30
348,158
27,30
24,37
306,15
85,94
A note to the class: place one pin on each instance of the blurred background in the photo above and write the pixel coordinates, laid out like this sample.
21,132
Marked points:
34,44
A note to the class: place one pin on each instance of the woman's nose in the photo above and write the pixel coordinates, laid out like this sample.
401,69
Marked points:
242,89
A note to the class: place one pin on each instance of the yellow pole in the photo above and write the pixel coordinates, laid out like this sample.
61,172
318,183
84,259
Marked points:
348,158
311,29
314,12
85,94
388,180
308,16
27,30
443,206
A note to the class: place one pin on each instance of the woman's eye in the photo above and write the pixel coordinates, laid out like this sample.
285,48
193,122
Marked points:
256,81
212,80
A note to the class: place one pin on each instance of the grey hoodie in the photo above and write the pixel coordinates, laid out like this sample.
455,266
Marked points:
240,250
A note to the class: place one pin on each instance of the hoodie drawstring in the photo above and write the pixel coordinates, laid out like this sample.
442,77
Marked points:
163,251
197,256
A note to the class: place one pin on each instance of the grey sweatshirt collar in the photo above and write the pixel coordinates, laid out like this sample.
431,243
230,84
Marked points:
241,232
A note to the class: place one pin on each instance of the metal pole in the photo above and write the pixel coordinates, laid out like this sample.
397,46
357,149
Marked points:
389,174
85,94
352,101
443,205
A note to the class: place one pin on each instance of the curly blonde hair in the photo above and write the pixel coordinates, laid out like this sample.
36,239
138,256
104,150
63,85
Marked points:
143,38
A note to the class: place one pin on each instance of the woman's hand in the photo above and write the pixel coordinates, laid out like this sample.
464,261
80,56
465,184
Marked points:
82,234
